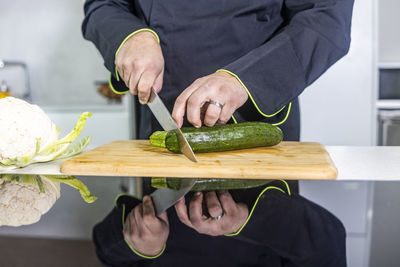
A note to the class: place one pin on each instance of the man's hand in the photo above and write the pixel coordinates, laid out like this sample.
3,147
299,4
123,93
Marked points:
140,64
233,214
144,231
221,87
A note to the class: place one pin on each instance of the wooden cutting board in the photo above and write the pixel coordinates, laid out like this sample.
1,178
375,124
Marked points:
288,160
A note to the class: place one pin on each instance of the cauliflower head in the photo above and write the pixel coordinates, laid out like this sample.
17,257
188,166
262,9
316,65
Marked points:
24,203
25,198
28,135
25,127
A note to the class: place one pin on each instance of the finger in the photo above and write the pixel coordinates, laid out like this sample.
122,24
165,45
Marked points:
203,110
195,209
213,205
138,217
195,103
226,114
212,115
180,103
150,221
126,71
121,75
227,202
181,211
133,81
145,83
120,64
158,82
148,207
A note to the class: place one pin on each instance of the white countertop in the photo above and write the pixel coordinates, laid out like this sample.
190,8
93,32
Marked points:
354,163
366,163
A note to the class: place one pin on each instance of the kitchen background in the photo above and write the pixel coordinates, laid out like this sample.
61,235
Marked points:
357,102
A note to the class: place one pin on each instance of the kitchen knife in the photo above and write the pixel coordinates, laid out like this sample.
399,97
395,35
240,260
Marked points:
167,123
164,198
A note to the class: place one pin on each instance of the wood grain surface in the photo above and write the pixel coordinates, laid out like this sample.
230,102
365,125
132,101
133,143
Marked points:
288,160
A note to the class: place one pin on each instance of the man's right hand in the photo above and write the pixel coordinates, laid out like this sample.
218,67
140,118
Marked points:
144,231
140,64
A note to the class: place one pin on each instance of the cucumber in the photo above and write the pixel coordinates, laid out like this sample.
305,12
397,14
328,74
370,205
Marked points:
221,137
208,184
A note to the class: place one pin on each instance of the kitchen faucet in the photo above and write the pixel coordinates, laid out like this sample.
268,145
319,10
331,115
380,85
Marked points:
9,63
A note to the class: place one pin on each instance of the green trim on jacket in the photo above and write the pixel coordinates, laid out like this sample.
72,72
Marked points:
256,202
254,102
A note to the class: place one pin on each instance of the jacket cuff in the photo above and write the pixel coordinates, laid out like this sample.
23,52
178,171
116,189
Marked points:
285,189
117,87
144,256
287,110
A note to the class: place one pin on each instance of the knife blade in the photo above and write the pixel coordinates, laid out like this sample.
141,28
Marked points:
164,198
167,123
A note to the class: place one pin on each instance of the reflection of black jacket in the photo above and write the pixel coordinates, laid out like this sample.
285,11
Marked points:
282,230
276,48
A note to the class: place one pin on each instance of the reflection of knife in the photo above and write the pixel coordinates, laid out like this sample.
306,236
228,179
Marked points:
164,198
167,122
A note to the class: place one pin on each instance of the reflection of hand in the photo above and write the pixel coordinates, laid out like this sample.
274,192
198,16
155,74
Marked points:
234,214
221,87
144,231
140,64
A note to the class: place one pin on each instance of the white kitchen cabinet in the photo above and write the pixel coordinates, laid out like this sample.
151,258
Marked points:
107,124
388,33
334,196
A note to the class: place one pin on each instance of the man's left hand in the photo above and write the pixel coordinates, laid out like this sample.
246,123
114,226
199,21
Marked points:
226,216
197,99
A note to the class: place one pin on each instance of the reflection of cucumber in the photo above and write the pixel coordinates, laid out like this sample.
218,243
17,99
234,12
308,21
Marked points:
208,184
221,137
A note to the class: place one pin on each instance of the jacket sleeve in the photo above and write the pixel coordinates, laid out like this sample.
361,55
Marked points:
316,36
108,23
111,247
298,230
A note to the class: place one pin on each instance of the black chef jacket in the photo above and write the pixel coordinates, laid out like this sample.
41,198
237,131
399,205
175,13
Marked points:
276,48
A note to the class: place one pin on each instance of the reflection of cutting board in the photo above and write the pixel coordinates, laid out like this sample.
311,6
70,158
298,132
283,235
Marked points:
289,160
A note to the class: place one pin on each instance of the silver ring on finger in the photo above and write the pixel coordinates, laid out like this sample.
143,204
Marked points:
218,217
216,103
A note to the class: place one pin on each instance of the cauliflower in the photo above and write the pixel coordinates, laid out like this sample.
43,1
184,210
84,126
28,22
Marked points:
24,203
27,135
26,124
25,198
